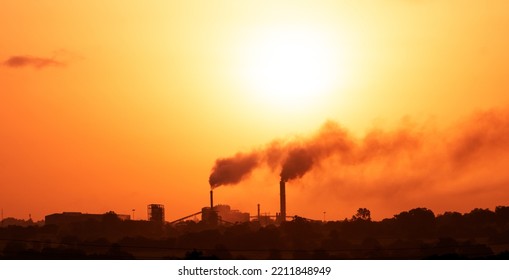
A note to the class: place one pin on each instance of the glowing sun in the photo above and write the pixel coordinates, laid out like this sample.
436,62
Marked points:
290,67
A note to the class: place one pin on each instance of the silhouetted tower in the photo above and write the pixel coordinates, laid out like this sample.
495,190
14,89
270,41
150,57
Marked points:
211,199
258,212
282,197
156,213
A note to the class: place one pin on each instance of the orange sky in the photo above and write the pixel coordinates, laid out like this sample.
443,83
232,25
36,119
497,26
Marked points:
114,105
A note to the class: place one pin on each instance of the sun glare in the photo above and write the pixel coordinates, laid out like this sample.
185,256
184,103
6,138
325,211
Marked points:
290,67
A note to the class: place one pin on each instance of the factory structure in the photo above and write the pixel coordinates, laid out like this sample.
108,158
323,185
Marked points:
155,213
217,214
67,218
212,215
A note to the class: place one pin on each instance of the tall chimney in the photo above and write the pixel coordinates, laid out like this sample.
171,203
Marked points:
211,200
258,212
282,197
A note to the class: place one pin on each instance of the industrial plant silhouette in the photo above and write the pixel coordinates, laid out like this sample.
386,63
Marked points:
223,233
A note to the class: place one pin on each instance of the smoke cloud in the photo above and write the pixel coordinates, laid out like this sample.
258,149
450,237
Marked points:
31,61
298,162
232,170
295,157
416,158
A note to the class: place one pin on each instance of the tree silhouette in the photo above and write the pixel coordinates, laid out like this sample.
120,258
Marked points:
362,214
418,222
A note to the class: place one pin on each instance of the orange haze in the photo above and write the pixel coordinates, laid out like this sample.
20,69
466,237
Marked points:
115,105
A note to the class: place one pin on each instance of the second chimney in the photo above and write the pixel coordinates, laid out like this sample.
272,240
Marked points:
211,200
282,197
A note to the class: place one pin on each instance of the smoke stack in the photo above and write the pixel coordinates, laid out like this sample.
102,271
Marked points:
258,212
282,196
211,200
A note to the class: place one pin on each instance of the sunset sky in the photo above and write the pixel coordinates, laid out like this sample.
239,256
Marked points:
113,105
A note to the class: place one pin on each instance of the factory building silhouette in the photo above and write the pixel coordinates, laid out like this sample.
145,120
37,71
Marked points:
214,215
155,213
66,218
211,215
217,214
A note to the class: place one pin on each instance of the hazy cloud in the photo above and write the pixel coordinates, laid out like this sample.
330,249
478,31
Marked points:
19,61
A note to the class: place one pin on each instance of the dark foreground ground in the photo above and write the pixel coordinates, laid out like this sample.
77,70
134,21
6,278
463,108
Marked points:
414,234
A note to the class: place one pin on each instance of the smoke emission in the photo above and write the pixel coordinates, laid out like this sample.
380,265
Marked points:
413,163
295,157
298,162
232,170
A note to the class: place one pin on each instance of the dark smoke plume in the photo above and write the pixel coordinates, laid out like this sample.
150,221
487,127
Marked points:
298,162
447,167
411,146
302,156
232,170
295,157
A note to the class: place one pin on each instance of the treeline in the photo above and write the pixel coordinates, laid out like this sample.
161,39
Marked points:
413,234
